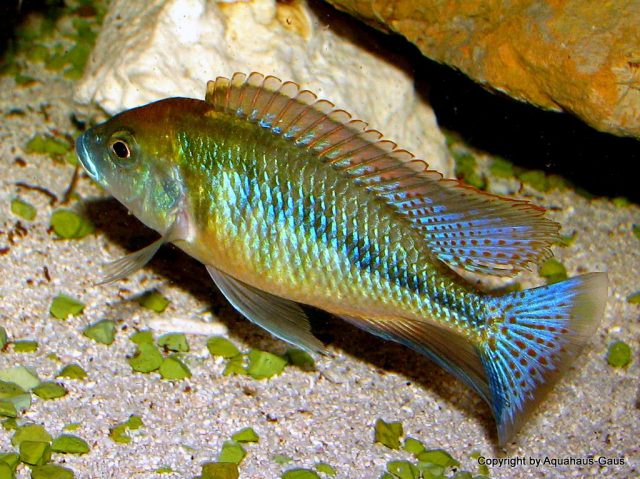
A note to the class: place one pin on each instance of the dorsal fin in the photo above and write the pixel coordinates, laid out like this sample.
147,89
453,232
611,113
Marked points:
463,226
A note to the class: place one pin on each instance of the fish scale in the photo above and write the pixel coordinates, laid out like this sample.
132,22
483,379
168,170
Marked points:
287,201
270,167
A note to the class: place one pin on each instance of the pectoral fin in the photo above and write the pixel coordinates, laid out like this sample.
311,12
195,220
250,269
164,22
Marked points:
283,318
123,267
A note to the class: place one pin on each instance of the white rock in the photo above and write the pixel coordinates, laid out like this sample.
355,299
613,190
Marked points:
152,49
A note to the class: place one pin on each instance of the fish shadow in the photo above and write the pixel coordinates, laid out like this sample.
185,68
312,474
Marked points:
121,228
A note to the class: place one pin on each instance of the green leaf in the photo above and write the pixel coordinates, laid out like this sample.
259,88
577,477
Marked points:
103,332
154,301
30,432
537,179
232,452
246,435
64,306
35,453
567,240
142,337
501,168
219,470
70,444
134,422
72,371
634,298
49,390
403,470
235,365
413,446
25,346
388,433
11,459
636,231
299,358
68,224
23,209
173,369
219,346
164,470
438,457
24,377
281,459
4,338
174,342
263,365
463,475
43,144
51,471
553,271
5,471
7,408
72,426
619,354
300,473
325,468
620,202
146,359
120,434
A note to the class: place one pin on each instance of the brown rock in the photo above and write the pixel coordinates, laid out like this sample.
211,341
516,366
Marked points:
579,56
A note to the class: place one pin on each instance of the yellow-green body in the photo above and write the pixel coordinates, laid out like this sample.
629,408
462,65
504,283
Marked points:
268,213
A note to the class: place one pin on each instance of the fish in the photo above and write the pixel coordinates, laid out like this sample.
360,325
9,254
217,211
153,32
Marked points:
289,201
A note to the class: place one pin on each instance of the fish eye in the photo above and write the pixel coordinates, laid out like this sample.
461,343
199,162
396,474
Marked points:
120,149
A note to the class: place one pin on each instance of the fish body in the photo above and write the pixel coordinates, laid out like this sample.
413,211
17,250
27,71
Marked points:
289,201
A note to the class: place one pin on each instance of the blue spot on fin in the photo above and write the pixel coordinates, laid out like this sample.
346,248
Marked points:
533,338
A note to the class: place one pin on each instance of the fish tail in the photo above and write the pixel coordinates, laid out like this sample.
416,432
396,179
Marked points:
532,337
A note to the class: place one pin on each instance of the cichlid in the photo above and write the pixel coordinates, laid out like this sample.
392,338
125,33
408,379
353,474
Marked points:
288,200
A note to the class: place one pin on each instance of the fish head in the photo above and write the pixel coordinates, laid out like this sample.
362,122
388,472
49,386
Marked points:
134,155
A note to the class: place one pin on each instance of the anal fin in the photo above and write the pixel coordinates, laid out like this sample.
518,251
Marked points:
448,349
283,318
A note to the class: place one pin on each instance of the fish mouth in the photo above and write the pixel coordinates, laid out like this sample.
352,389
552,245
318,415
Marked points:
82,151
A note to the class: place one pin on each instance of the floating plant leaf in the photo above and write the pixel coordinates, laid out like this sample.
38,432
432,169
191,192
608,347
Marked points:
619,354
146,359
154,301
24,377
68,224
388,433
35,453
232,452
219,470
4,338
173,369
174,342
64,306
30,432
102,332
51,471
553,271
70,444
24,210
246,435
403,470
438,457
219,346
49,390
47,145
25,346
142,337
72,371
263,365
325,468
300,473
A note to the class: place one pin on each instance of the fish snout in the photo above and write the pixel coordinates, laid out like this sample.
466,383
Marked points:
83,151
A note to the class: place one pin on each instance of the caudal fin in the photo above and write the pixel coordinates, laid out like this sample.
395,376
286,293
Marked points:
532,339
